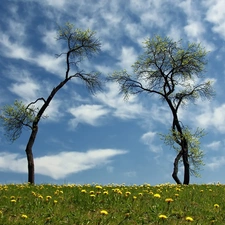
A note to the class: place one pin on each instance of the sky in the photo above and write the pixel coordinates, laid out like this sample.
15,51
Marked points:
102,138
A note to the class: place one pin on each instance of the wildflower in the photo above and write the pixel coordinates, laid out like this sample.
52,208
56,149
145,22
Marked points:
91,192
61,192
105,192
127,193
141,194
92,195
216,206
83,191
13,201
168,200
176,195
157,196
12,197
48,197
104,212
189,219
163,217
40,196
134,197
98,187
55,201
24,216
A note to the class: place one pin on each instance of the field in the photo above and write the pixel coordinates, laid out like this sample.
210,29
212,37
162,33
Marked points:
112,204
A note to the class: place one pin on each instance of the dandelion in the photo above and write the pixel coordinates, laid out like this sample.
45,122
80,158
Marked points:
189,219
55,201
40,196
168,200
98,187
13,201
216,206
91,192
83,191
12,197
127,193
163,217
105,192
48,197
176,195
93,196
157,196
140,194
104,212
134,197
24,216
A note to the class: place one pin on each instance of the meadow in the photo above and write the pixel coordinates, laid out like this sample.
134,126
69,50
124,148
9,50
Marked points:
112,204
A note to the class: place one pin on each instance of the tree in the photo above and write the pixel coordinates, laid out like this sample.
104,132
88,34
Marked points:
175,74
80,45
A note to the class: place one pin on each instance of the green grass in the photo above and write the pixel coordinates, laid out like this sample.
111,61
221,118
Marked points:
112,204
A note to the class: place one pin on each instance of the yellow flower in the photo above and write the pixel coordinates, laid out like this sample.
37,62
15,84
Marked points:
92,195
105,192
83,191
55,201
12,197
24,216
163,217
48,197
169,200
91,192
13,201
141,194
134,197
104,212
98,187
127,193
157,196
189,219
216,206
40,196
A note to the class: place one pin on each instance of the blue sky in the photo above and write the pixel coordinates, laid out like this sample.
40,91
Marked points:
102,138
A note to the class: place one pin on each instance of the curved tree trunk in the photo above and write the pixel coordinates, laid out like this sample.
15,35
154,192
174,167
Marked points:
175,168
180,140
29,147
29,153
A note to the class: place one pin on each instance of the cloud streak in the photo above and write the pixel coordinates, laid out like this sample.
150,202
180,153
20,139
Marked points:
60,165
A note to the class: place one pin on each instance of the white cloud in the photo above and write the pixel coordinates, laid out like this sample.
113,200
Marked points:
122,109
25,87
14,49
216,15
89,114
212,117
60,165
214,146
127,58
216,163
148,139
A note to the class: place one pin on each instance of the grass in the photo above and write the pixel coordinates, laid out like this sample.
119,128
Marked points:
111,204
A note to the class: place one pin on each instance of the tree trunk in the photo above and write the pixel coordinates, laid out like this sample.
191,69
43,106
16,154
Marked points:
29,147
29,153
186,164
175,168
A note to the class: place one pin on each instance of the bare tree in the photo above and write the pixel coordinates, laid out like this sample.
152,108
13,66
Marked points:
79,45
175,74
